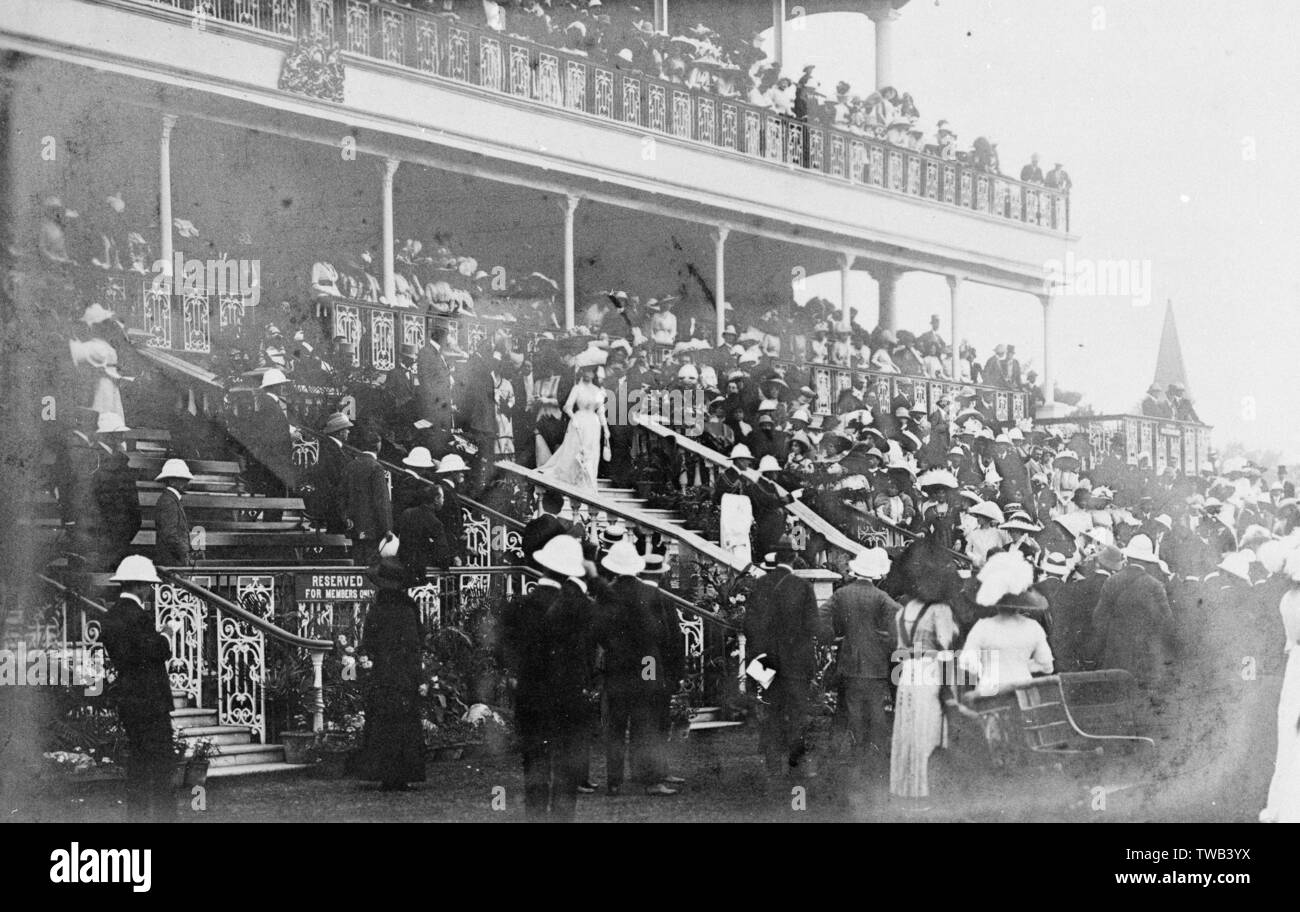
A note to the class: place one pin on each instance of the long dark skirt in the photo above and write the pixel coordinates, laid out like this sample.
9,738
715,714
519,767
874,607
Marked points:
392,749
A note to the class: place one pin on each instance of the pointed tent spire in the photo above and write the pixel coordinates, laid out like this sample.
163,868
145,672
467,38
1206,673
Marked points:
1169,362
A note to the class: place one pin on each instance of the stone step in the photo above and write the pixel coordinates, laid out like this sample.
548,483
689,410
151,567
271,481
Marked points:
180,699
706,713
713,726
255,769
245,754
190,717
216,734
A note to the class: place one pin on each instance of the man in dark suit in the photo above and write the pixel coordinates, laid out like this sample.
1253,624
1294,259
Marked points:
326,499
409,485
423,541
548,643
369,504
547,524
1132,623
451,476
75,464
672,647
995,373
433,394
115,493
171,525
141,691
781,627
1155,405
268,438
635,673
860,618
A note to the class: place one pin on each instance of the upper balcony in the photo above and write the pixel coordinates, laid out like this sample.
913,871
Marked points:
484,99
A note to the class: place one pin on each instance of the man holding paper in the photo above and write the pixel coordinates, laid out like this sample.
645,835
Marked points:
781,632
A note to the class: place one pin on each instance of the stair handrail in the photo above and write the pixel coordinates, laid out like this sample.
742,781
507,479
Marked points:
593,500
69,591
315,648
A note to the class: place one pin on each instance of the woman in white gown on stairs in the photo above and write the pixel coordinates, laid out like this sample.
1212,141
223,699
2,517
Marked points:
577,461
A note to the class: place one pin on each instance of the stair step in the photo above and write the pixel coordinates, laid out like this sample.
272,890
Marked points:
180,699
191,717
245,754
254,769
713,726
217,734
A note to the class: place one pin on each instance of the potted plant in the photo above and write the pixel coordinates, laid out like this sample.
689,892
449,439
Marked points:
298,746
198,762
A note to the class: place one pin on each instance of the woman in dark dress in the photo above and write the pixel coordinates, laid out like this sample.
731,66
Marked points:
392,749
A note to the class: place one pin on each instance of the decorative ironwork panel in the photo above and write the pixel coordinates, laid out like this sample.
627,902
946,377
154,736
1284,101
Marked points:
822,384
547,88
949,184
179,616
521,71
681,125
837,155
884,389
156,317
1031,207
413,330
631,112
241,657
113,292
1147,439
876,172
347,323
1018,408
982,194
231,311
458,54
1058,213
490,68
657,107
426,45
966,189
753,133
383,340
306,451
196,323
284,17
859,169
730,126
773,137
693,645
795,143
478,539
1017,211
392,35
603,81
357,27
706,116
1002,407
1000,197
320,19
429,601
843,381
895,173
575,85
932,180
816,149
913,175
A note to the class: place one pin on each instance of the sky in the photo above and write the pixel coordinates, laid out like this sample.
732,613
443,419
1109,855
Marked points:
1177,120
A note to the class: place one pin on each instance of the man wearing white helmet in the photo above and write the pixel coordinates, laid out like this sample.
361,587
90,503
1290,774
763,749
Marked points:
171,526
141,691
267,435
859,617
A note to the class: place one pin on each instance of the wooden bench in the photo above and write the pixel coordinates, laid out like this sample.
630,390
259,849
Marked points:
209,474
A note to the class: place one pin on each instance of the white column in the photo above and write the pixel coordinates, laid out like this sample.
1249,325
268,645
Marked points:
778,30
570,307
165,195
661,15
955,283
886,277
846,275
390,168
720,278
1049,362
883,14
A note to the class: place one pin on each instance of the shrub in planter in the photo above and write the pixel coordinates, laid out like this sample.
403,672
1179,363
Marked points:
298,746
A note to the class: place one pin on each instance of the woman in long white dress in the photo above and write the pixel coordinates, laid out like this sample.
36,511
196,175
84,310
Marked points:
926,630
577,461
1284,791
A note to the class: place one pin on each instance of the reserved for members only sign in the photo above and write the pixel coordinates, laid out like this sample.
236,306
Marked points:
333,587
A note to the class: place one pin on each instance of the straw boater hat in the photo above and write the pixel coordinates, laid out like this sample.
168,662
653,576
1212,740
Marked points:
613,534
1056,564
654,566
174,468
337,422
871,563
561,555
622,559
419,458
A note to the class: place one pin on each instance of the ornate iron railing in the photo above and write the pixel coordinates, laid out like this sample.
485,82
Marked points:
1184,446
441,47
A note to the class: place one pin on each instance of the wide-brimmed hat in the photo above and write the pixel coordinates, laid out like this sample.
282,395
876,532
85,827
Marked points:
740,451
1066,456
622,559
273,377
110,423
1019,522
940,478
987,509
175,468
1238,564
561,555
871,563
337,422
1055,563
1110,558
419,458
451,463
135,568
1140,548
